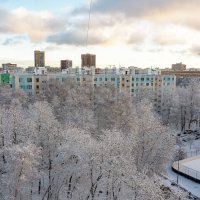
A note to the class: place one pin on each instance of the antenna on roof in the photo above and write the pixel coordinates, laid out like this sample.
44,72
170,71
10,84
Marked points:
88,27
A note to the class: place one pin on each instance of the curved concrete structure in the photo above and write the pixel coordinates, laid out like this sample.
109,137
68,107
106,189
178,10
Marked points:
189,168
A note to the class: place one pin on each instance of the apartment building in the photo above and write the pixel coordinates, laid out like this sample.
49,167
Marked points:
39,58
88,60
5,79
64,64
151,83
29,83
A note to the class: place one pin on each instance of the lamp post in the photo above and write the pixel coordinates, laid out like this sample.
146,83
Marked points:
178,168
179,151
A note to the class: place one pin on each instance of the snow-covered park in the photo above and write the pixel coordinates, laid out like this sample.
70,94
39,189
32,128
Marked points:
191,168
184,182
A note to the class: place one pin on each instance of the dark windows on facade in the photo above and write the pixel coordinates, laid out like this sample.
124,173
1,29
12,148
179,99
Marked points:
29,80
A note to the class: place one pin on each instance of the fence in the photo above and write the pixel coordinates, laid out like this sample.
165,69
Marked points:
193,153
188,171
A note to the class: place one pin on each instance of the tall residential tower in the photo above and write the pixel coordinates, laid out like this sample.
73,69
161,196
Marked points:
64,64
39,58
88,60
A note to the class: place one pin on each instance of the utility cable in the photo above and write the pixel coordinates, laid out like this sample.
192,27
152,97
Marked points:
88,26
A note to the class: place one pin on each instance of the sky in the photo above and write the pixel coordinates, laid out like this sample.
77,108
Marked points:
142,33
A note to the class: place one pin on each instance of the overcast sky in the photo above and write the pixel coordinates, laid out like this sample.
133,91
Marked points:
141,33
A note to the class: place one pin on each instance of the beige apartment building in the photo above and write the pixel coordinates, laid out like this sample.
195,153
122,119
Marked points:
39,58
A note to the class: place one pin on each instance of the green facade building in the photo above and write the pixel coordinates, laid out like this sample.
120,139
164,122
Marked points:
5,79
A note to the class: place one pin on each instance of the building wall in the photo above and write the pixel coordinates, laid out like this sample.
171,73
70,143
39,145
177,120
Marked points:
182,74
88,60
178,67
39,58
5,79
137,86
64,64
31,84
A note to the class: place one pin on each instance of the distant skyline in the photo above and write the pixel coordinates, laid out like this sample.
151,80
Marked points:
127,33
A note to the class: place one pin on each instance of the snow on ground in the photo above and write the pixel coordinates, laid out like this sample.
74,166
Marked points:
187,184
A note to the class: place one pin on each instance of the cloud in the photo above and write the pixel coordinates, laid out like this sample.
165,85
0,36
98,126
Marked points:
52,48
195,50
181,12
75,37
35,24
132,7
19,39
136,38
164,39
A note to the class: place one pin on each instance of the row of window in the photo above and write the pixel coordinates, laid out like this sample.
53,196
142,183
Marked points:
29,80
107,79
29,87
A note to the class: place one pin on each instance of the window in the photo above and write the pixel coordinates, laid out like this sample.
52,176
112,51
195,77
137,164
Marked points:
95,79
78,79
147,84
136,79
37,80
29,87
168,79
37,87
100,79
106,79
112,79
132,90
122,79
84,79
29,80
147,79
127,81
20,79
142,79
136,84
132,79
